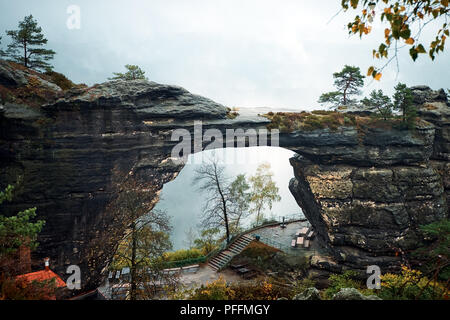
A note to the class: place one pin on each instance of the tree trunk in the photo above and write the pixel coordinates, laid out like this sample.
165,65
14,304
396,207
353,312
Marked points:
224,206
226,225
133,262
258,215
25,60
345,93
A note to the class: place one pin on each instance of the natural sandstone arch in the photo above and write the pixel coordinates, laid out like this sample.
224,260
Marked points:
66,150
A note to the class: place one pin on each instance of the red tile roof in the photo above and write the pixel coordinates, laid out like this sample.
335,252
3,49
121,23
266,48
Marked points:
43,275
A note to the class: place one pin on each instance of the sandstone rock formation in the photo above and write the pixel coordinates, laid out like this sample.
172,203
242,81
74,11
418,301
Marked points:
434,108
366,193
65,152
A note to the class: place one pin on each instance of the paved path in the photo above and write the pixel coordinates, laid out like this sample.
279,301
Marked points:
207,274
285,236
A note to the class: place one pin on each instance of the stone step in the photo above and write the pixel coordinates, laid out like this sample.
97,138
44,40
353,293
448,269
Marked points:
239,245
214,267
224,257
214,264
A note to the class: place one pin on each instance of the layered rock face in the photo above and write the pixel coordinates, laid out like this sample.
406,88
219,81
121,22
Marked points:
367,193
65,153
434,108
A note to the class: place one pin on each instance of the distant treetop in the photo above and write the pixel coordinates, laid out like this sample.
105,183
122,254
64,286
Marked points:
133,73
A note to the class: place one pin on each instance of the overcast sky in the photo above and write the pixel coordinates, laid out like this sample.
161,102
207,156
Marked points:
243,53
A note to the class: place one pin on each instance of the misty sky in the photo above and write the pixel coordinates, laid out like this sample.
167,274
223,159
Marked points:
255,53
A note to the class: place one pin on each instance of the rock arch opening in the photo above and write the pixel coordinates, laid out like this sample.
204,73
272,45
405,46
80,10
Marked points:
184,202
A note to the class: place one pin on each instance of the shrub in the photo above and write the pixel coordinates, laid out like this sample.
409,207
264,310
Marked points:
301,285
216,290
265,289
253,290
436,256
322,112
232,113
339,281
208,241
321,119
20,289
60,80
411,285
181,255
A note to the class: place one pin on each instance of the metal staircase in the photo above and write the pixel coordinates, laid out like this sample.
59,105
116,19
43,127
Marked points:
225,256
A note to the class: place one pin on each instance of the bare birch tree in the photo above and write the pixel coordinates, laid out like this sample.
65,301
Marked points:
211,179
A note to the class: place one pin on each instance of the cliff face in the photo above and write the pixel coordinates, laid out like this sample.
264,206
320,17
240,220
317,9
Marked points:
434,108
366,192
66,150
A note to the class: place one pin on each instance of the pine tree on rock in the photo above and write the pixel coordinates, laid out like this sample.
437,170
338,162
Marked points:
348,83
379,102
27,46
403,102
133,73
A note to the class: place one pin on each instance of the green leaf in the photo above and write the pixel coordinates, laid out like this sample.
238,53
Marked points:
413,53
405,34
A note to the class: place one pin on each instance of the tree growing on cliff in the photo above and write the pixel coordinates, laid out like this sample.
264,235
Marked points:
134,73
27,44
348,83
405,20
379,102
146,237
403,102
264,191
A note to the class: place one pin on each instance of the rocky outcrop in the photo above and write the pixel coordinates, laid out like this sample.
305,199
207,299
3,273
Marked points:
434,108
352,294
366,215
308,294
367,193
147,100
371,147
15,76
